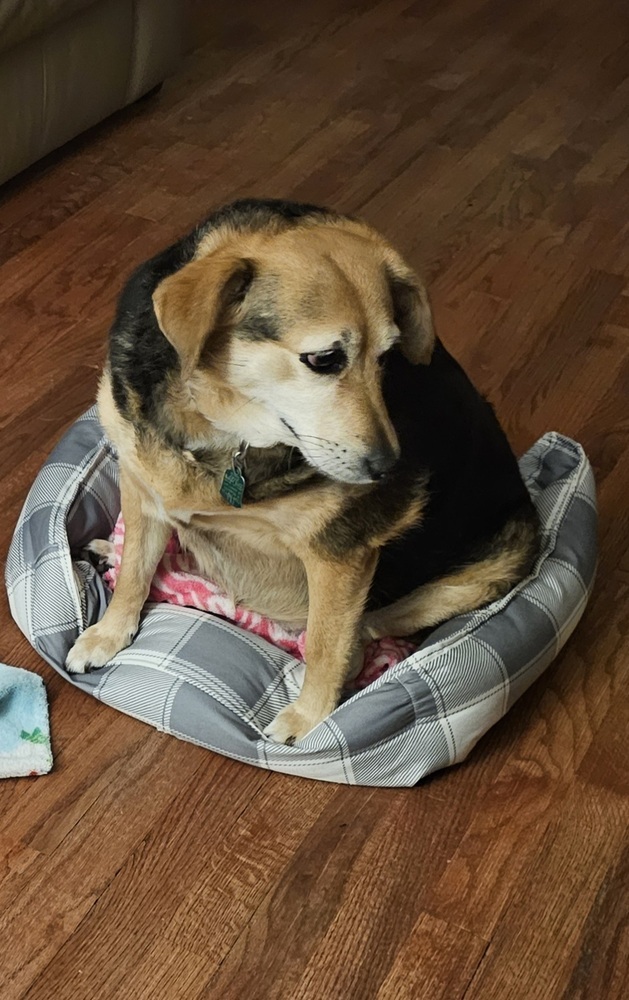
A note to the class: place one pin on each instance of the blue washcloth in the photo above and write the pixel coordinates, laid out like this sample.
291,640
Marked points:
24,728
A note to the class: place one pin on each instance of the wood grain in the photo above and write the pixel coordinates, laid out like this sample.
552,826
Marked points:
489,141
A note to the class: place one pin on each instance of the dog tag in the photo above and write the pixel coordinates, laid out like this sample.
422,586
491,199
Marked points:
233,487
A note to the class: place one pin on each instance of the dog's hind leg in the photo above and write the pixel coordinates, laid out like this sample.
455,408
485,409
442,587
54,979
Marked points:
459,592
144,544
104,549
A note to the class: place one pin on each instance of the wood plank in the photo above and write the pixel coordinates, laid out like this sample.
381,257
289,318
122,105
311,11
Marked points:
41,907
424,967
602,969
531,953
348,900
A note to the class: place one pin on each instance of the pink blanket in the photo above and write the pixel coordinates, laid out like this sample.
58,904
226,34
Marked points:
177,581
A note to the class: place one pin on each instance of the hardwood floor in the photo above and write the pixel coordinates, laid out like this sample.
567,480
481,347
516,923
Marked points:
490,141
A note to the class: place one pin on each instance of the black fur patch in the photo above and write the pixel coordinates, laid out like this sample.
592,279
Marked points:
371,513
447,429
140,356
254,214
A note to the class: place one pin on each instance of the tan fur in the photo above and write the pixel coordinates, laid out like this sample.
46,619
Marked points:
188,304
325,282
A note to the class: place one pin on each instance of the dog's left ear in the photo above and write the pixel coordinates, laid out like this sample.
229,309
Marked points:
191,304
412,315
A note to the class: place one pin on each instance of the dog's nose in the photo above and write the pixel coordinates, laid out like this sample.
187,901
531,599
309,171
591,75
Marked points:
380,463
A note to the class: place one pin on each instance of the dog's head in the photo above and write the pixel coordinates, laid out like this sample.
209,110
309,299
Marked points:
281,335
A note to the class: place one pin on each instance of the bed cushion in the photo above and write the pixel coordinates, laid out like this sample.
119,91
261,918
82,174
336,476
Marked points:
207,681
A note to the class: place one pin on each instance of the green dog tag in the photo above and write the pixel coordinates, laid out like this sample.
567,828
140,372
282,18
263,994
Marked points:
233,487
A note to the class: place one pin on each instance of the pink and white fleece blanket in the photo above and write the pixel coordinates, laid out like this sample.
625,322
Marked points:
178,581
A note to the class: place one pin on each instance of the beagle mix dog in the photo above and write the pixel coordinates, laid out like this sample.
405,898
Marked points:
276,393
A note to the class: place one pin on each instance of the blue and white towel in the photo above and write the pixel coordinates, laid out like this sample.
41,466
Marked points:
24,728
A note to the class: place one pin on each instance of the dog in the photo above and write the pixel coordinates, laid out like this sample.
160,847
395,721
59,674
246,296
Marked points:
276,393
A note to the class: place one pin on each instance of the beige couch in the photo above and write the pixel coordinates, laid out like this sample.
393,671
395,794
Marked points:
67,64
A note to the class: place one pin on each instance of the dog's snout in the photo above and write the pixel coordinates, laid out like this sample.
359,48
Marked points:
380,462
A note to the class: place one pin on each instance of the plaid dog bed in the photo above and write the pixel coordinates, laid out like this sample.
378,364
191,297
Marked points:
207,681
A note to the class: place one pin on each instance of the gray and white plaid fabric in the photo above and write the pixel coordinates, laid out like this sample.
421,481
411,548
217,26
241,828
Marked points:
207,681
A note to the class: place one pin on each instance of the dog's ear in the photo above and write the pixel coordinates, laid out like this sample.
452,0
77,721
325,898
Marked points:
412,315
196,300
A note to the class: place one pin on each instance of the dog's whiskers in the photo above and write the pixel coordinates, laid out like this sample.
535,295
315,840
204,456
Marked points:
318,442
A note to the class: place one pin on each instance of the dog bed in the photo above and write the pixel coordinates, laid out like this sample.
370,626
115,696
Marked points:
205,680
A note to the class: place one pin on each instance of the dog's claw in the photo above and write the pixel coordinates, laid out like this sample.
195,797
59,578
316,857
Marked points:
104,549
291,725
94,648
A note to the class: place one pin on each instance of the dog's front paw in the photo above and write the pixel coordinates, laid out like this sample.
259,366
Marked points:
95,648
291,724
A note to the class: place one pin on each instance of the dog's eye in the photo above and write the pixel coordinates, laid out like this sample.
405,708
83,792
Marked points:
326,362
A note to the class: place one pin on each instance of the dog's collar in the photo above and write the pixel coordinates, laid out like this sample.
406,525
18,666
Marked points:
233,482
239,485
